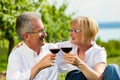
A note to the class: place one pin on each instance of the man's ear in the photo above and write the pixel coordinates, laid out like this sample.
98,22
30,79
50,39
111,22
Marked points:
25,36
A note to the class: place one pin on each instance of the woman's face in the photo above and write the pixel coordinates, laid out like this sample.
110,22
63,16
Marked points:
76,33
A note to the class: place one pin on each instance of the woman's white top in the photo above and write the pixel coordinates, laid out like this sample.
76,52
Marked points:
94,55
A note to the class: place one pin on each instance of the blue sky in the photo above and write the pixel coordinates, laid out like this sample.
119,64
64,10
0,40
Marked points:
100,10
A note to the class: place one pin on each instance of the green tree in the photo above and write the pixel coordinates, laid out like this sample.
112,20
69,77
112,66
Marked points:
55,19
9,10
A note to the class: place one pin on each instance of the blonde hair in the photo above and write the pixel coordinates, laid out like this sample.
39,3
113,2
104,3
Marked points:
88,25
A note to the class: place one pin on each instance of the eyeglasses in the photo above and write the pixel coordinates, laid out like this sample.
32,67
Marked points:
75,31
39,31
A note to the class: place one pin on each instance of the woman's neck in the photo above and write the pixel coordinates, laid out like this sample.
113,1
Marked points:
85,46
81,51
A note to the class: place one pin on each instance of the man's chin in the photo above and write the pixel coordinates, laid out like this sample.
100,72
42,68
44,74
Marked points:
43,44
72,41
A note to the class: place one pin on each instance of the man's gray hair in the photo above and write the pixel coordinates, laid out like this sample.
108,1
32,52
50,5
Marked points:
24,22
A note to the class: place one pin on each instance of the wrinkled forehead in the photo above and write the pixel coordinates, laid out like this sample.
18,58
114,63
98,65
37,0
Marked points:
37,24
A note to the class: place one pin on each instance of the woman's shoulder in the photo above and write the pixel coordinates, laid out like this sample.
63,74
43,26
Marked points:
98,47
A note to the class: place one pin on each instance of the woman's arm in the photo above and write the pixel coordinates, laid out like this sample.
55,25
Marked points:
89,73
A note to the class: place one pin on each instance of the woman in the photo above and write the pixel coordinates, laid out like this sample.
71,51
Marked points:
89,58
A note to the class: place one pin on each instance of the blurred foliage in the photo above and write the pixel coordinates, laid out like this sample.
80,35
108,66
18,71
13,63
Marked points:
9,10
3,61
54,19
112,47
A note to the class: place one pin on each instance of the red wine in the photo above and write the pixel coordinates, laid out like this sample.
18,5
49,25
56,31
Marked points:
66,49
54,51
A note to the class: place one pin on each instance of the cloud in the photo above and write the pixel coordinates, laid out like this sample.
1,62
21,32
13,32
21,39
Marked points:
101,10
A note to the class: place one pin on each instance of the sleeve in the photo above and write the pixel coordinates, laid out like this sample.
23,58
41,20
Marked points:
100,56
15,69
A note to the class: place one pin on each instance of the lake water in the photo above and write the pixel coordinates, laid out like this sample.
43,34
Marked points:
106,34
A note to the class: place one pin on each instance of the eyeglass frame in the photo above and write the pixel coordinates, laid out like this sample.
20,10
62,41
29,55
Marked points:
39,31
75,31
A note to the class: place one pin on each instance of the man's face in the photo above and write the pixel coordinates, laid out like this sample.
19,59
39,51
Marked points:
37,36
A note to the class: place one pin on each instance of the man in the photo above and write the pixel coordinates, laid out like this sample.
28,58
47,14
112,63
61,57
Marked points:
31,60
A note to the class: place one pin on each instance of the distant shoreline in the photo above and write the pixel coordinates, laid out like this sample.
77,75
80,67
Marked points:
109,33
109,25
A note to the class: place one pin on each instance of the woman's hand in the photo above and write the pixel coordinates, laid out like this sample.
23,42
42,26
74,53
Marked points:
72,59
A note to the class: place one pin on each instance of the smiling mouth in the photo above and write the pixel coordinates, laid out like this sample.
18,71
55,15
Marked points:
42,38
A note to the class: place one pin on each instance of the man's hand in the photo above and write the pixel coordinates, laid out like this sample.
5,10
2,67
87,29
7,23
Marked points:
47,61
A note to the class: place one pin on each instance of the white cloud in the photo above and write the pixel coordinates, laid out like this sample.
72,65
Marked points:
101,10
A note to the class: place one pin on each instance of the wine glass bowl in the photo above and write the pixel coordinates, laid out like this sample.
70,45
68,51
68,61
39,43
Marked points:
66,49
53,48
54,51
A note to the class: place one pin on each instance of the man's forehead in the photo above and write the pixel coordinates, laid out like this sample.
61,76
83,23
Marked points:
38,24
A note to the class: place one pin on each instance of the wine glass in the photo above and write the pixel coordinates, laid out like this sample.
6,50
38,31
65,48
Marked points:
53,48
66,48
